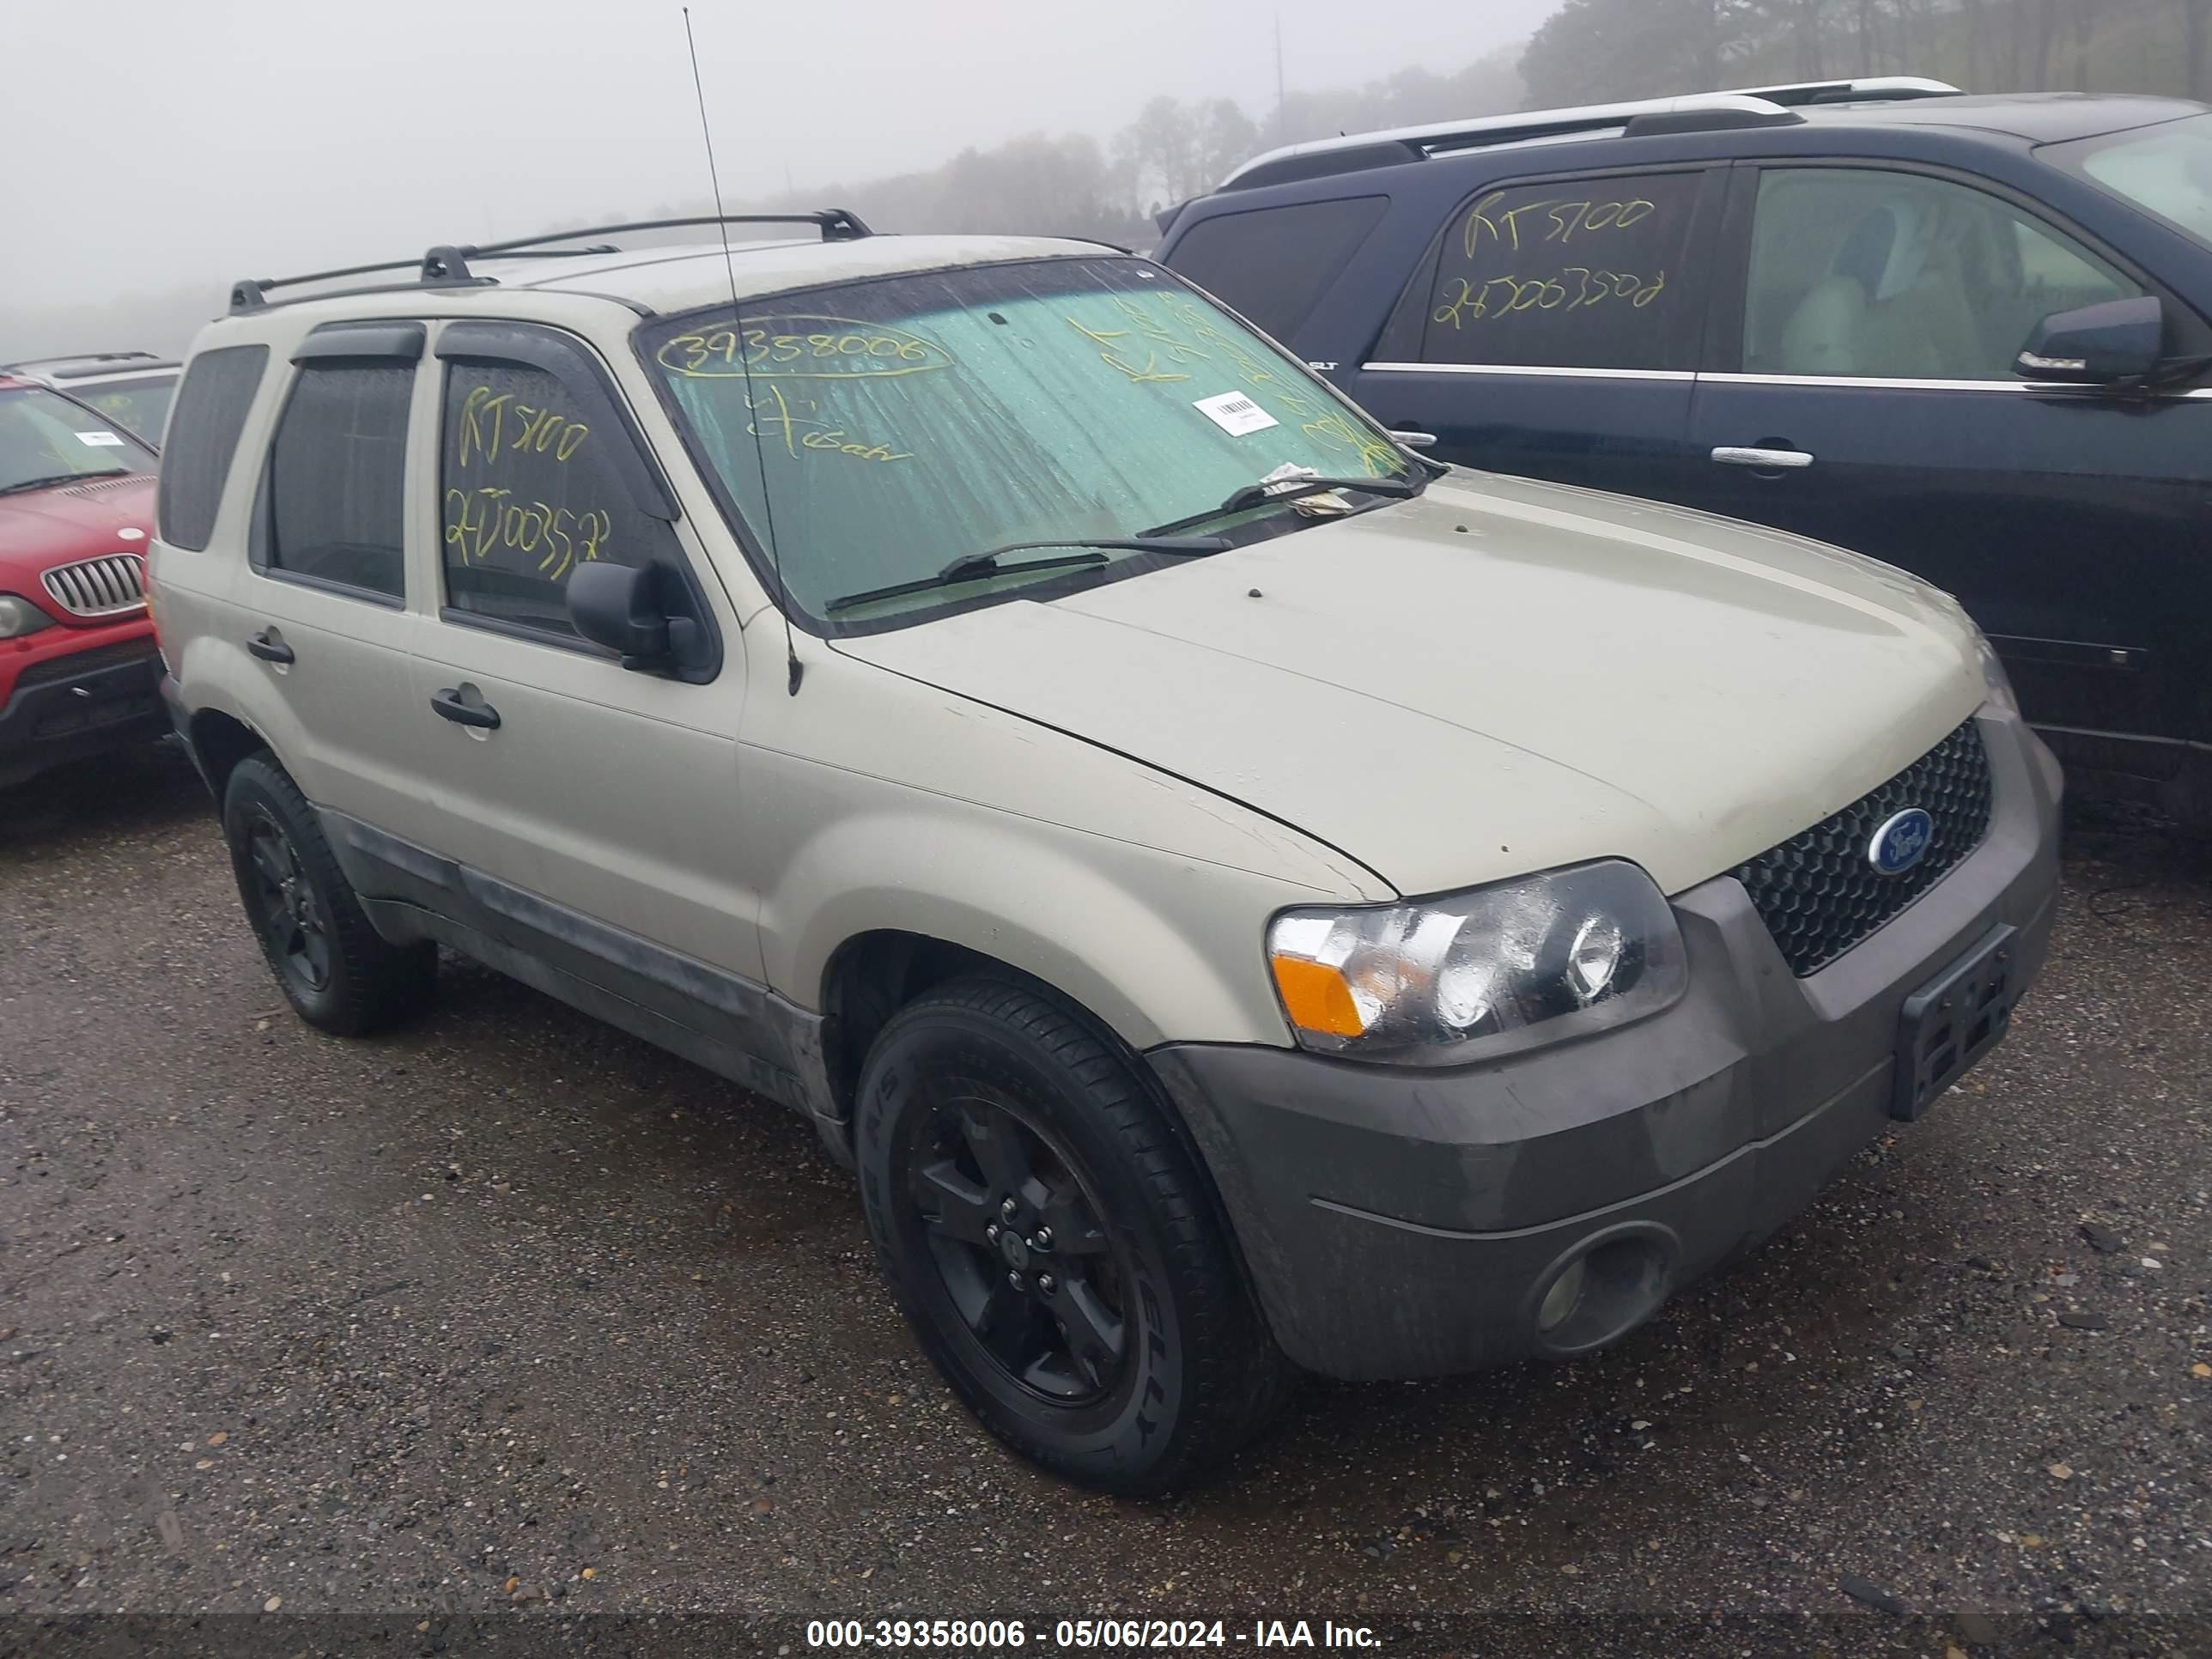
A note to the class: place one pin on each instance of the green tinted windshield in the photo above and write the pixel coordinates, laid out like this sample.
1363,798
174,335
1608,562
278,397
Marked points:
46,439
907,421
141,406
2166,169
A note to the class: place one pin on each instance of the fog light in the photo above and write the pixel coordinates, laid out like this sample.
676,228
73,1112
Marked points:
1559,1301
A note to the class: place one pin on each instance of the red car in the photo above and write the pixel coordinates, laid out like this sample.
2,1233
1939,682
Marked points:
78,664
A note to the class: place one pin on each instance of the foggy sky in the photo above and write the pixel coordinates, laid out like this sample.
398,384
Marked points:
151,142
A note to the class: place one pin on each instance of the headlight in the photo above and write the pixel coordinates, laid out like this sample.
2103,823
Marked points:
1994,675
1444,981
20,616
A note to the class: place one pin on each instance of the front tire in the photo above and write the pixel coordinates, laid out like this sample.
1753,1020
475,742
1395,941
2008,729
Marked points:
336,971
1054,1244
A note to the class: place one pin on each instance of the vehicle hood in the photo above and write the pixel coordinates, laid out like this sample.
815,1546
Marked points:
1498,677
42,528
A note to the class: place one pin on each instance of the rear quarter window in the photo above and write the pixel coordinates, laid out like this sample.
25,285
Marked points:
1592,273
202,438
1274,264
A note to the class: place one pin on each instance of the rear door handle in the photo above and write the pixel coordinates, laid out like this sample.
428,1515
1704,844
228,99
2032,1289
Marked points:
450,707
1774,460
270,650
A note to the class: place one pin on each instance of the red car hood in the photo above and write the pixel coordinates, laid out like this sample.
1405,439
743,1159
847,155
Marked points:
42,528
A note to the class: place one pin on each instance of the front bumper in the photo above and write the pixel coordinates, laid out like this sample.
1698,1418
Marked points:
1407,1222
68,707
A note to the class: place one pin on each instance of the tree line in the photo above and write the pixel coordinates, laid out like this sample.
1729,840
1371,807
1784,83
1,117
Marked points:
1592,50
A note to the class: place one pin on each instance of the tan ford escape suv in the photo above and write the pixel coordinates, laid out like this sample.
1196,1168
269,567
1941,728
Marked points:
1240,894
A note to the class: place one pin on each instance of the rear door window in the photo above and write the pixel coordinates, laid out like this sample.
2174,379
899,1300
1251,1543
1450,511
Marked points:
1274,264
1586,274
338,478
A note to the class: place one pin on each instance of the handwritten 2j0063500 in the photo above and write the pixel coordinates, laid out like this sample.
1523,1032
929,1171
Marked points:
1576,288
1561,220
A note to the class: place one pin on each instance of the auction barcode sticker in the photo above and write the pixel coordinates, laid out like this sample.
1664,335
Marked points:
1234,413
109,441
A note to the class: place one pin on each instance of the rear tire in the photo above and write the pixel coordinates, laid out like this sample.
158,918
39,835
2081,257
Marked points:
1054,1244
336,971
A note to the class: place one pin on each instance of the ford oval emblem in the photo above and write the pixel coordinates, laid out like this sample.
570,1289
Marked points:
1901,842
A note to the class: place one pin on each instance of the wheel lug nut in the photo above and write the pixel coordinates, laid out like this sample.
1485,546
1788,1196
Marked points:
1017,1281
1047,1284
991,1232
1041,1239
1009,1209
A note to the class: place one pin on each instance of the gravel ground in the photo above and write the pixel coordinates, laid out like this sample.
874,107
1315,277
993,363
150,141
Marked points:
507,1333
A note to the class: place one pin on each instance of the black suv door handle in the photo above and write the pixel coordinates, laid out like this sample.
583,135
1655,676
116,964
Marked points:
270,650
450,707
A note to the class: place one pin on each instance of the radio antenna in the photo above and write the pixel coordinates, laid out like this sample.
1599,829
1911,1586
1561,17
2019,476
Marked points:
744,360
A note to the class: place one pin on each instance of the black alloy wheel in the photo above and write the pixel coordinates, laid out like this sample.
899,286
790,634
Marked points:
334,967
1017,1245
1053,1242
292,924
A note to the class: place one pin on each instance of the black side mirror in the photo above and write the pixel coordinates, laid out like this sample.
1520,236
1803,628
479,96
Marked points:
2096,345
618,605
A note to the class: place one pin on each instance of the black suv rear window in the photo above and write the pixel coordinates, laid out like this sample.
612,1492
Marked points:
211,405
1273,264
1593,274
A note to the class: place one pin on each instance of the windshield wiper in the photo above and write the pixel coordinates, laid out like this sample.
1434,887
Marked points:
61,478
1268,491
970,566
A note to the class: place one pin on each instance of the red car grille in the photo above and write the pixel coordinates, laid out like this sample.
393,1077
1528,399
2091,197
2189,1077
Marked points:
106,586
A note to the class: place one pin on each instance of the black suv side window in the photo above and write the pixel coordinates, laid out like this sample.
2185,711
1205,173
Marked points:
217,391
337,483
1862,272
537,473
1593,274
1273,264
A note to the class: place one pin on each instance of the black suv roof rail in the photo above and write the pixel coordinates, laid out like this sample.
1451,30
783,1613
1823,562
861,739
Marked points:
1774,106
446,266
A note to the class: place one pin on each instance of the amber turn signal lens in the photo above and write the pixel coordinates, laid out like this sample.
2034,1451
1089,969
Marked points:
1316,997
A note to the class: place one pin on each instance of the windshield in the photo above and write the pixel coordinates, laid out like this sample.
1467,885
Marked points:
139,406
2166,169
46,439
907,422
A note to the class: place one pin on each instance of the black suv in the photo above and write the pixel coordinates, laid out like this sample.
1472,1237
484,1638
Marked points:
1966,335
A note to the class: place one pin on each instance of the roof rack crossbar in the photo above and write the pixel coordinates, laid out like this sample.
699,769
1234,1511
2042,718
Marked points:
1772,102
446,266
836,225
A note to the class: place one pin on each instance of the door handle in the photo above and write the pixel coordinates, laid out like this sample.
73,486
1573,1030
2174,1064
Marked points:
450,707
1413,440
270,650
1774,460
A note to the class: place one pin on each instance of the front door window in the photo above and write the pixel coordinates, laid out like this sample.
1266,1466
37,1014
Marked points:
1860,272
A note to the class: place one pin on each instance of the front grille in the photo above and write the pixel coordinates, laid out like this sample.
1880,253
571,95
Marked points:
79,663
1818,893
106,586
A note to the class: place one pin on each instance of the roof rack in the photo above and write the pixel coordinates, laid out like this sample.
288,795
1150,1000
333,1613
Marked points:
446,266
85,362
1742,106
